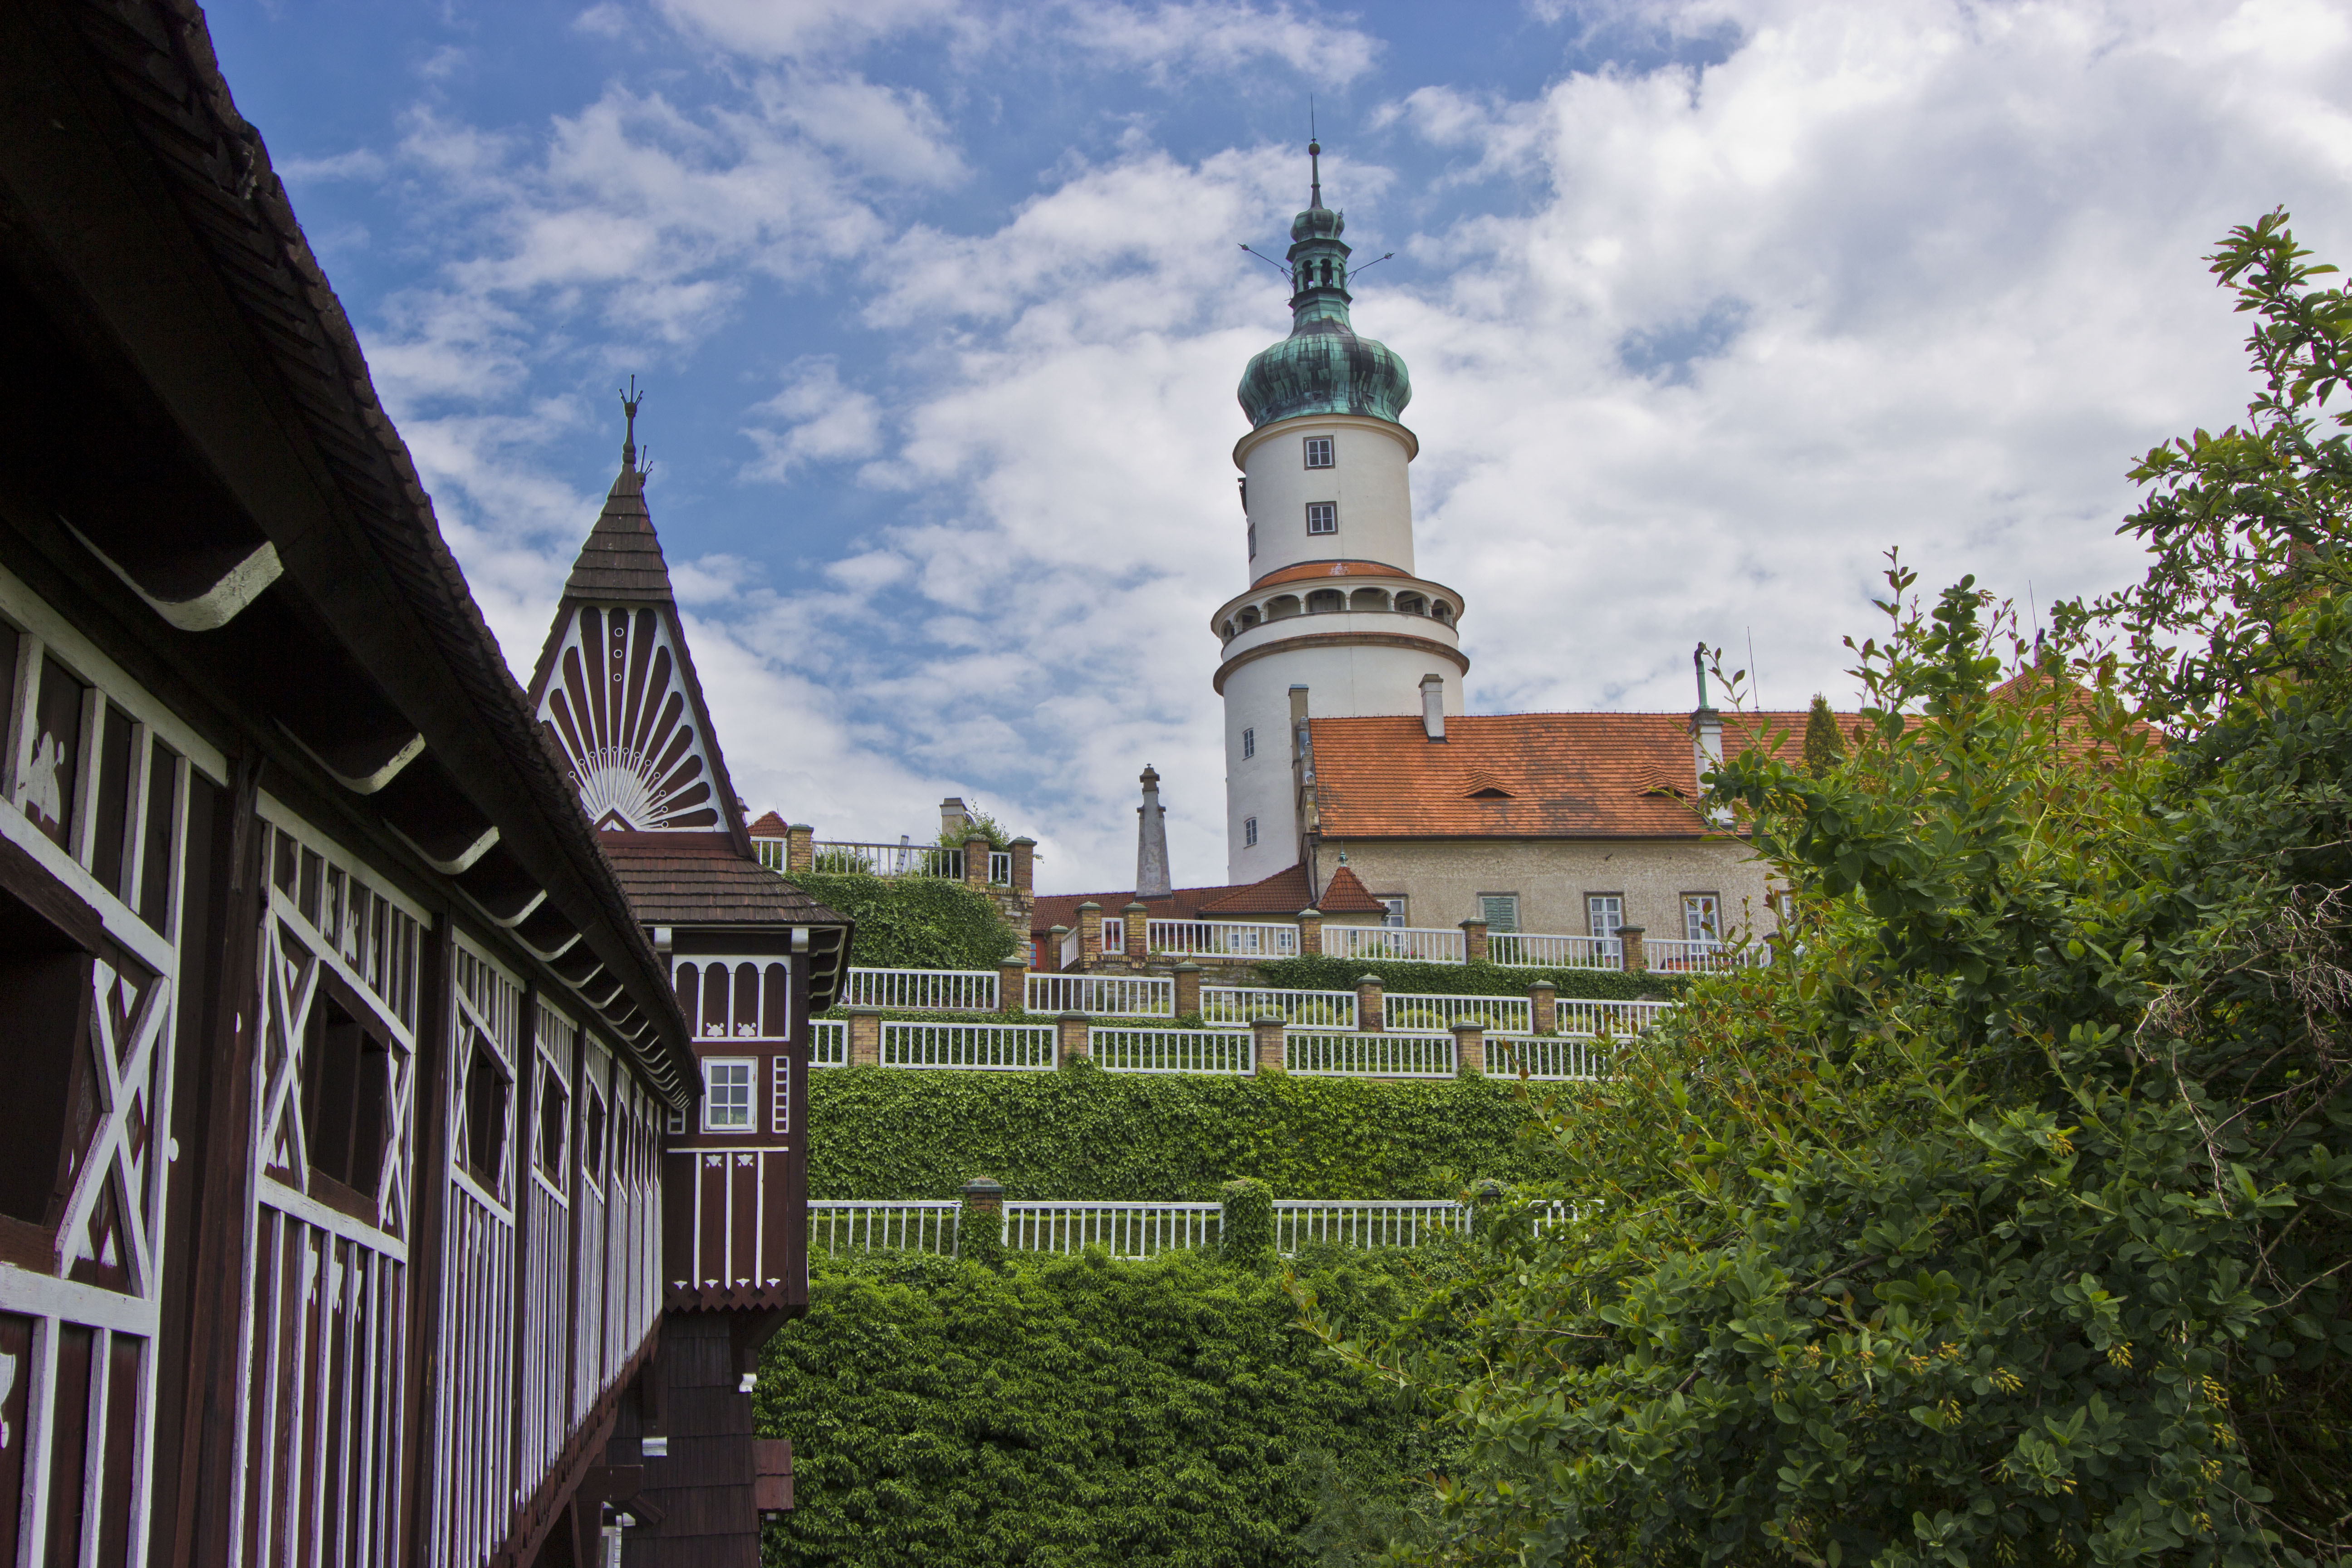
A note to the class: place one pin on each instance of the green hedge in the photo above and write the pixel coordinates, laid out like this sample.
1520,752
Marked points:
913,922
1069,1413
1469,979
884,1132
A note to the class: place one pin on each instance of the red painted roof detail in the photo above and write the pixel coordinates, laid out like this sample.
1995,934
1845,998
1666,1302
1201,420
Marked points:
769,825
1306,569
1344,894
1522,776
1283,893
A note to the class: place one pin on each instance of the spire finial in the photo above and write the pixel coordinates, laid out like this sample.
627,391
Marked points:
630,399
1314,157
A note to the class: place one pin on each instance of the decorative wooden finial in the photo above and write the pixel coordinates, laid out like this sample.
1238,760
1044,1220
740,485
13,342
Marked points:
630,399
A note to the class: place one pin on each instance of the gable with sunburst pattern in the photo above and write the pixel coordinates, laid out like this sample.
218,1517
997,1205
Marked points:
617,702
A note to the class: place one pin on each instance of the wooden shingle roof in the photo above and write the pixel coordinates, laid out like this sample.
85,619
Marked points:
622,559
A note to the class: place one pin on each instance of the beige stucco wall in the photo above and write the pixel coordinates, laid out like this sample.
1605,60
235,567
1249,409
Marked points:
1442,878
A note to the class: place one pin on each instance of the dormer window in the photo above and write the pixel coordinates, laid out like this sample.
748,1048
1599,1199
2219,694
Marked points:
1322,516
1318,451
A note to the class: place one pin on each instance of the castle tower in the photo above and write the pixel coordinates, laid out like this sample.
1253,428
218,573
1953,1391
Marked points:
1336,622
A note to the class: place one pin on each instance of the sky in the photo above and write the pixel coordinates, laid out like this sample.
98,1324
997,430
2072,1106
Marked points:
940,308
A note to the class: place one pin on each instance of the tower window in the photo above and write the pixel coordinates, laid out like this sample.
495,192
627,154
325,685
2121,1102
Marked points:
1249,744
1253,541
1249,832
1318,451
1322,516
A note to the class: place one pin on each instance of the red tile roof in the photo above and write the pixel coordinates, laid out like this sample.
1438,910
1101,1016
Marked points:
1306,569
1522,776
769,825
1282,895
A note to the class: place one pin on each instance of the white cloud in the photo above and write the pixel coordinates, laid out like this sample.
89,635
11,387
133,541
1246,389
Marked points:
779,29
824,422
1184,39
892,133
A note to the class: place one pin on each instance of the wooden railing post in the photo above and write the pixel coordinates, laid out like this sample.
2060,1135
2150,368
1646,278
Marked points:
1630,939
1369,1005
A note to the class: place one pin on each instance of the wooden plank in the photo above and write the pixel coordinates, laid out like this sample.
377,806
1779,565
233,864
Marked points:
419,1493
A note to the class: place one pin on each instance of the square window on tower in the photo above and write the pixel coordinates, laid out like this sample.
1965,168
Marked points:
1249,832
1322,516
1318,451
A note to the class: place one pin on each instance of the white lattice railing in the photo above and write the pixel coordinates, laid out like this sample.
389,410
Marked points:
1127,1230
1169,1051
1325,1055
1675,956
976,1047
1222,939
923,990
904,858
899,1224
1304,1009
1422,944
1104,996
1564,1056
1577,1016
828,1042
1345,1222
1426,1013
1533,949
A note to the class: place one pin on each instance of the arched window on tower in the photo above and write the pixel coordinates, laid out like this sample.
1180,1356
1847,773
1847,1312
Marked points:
1249,617
1369,599
1276,609
1323,601
1441,611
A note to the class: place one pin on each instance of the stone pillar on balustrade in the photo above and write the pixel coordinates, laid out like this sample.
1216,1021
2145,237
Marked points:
1266,1039
1024,866
1543,1001
1071,1042
1310,933
799,848
1473,942
1628,939
865,1036
1012,986
1369,1005
1188,988
1138,916
1050,960
1469,1047
975,861
1090,934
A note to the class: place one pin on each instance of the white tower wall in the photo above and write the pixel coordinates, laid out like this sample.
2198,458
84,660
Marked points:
1368,482
1343,681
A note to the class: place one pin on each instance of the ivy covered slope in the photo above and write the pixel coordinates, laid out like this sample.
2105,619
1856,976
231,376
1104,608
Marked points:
2010,1221
1086,1133
913,922
1077,1412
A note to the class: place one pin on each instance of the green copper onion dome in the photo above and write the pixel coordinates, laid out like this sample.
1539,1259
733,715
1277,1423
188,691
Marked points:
1322,367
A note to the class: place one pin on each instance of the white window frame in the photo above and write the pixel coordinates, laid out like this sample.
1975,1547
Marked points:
1249,832
1253,538
1486,898
749,1084
1395,903
1249,743
1702,917
1330,517
1603,913
1321,446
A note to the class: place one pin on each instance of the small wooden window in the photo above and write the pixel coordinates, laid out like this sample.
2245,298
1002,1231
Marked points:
1322,516
346,1093
591,1138
554,1122
1249,744
1318,451
726,1095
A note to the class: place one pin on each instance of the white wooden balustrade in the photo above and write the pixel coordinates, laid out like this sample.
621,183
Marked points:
923,990
1222,939
1576,1016
1429,1012
1119,1049
904,858
893,1225
1307,1009
1126,1229
1419,943
980,1047
1675,955
1565,1057
1357,1221
1104,996
1325,1055
1535,950
828,1042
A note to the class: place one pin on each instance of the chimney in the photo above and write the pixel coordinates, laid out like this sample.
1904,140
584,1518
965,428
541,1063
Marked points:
1707,737
953,818
1432,707
1150,841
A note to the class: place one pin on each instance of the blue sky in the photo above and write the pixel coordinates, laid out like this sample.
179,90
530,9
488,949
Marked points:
941,308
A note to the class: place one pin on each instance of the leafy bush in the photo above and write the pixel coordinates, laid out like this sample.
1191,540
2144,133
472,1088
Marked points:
913,922
1406,978
1069,1413
884,1133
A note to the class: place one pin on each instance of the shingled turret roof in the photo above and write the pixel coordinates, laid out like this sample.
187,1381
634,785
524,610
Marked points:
622,560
